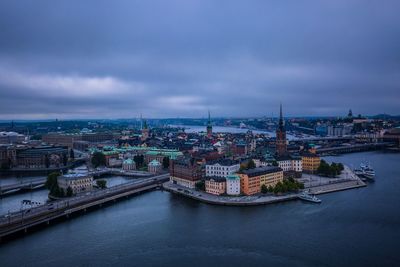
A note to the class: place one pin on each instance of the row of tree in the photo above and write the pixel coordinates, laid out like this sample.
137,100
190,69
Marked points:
332,170
288,185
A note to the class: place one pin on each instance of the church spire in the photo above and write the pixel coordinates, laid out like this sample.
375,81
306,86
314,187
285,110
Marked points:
280,117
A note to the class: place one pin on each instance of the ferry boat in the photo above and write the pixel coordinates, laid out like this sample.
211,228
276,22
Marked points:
307,197
365,171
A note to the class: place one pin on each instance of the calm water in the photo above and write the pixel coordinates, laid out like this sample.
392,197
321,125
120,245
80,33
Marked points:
351,228
13,202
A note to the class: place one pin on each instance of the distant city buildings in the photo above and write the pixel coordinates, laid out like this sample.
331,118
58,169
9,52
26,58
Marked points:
11,138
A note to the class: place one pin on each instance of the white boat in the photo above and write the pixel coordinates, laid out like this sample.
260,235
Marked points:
307,197
365,171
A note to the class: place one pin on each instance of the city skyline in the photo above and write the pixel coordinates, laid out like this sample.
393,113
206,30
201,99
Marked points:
69,60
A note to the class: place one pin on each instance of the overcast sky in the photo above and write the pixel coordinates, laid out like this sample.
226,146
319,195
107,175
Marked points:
117,59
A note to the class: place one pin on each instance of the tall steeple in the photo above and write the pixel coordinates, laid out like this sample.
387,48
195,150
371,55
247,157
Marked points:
280,118
281,146
209,125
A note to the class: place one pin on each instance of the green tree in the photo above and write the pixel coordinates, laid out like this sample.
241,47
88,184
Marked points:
102,184
275,163
47,161
71,154
52,180
69,192
5,166
65,159
165,162
98,159
251,164
201,185
264,189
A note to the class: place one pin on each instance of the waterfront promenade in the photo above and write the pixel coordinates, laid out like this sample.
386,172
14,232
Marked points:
313,184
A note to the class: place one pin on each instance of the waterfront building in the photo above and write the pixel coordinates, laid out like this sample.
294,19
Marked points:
251,180
154,166
281,145
222,168
215,185
311,162
292,166
67,139
78,182
209,126
233,185
8,156
41,157
129,165
185,172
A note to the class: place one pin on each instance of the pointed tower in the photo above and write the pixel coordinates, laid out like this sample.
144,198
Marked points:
145,130
209,126
281,146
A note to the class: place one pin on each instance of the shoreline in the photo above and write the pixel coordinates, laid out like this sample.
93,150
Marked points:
255,200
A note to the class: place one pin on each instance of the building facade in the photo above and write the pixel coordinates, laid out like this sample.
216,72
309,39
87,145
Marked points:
311,162
154,167
185,172
233,185
128,165
215,185
252,180
222,168
76,181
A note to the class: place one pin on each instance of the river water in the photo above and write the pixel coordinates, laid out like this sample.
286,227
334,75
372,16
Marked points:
358,227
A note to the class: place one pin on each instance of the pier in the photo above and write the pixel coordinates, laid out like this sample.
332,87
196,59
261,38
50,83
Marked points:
23,220
22,186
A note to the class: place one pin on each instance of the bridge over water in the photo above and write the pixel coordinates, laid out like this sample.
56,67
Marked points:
21,221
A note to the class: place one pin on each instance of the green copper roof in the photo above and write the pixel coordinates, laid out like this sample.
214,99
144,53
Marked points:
233,177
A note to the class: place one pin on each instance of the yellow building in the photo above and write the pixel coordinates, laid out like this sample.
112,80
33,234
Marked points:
215,185
252,180
311,163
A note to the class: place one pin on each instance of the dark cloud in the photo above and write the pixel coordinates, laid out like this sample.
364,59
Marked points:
77,59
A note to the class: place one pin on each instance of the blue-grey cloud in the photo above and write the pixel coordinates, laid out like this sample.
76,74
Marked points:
94,59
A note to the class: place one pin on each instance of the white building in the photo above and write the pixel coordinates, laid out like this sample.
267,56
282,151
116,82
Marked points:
290,164
233,185
222,168
78,182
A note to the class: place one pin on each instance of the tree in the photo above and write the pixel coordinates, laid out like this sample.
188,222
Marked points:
65,159
69,192
264,189
52,180
275,163
201,185
98,159
102,184
165,162
5,166
72,154
251,164
47,161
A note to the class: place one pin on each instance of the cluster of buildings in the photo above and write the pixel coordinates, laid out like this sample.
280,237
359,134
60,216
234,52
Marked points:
225,176
35,157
